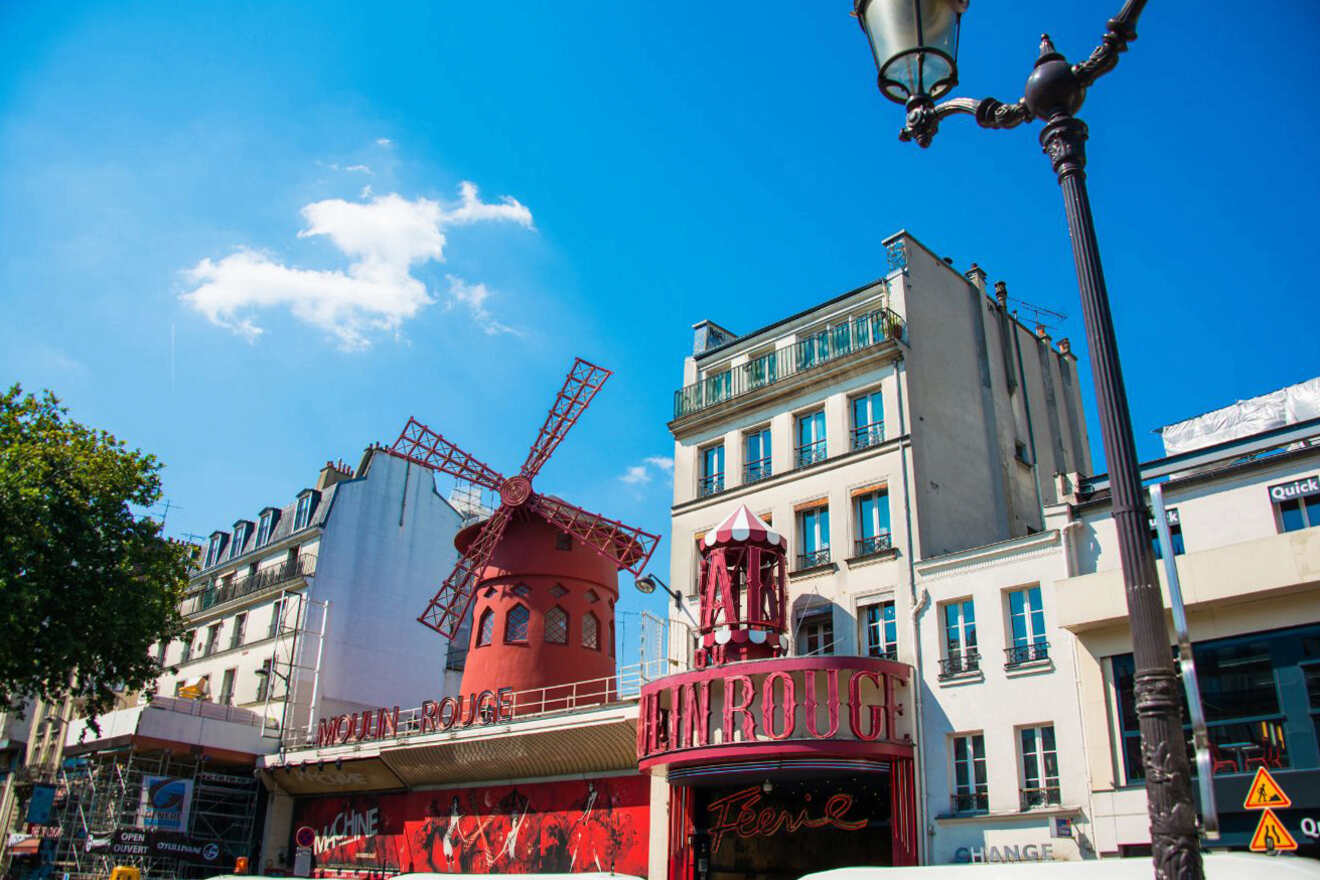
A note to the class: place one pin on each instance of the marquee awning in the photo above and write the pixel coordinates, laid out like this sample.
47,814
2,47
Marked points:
744,527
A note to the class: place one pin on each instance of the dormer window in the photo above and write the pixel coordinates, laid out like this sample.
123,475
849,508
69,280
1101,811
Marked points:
242,529
216,548
266,527
302,516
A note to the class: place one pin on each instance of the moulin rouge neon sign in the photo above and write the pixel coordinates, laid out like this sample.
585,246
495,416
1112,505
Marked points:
738,814
436,716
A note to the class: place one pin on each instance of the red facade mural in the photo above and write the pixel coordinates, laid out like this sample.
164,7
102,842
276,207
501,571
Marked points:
582,825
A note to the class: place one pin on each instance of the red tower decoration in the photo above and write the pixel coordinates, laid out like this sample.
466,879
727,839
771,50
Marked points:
742,591
544,572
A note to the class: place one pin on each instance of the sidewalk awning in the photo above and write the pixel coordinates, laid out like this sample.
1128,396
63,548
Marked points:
26,847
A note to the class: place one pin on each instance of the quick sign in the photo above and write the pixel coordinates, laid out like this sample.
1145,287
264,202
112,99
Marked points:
1296,489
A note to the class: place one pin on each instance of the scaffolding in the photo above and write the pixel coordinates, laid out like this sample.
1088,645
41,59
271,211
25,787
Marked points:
103,792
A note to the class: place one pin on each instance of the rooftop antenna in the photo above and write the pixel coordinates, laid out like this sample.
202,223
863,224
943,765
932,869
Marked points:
1039,312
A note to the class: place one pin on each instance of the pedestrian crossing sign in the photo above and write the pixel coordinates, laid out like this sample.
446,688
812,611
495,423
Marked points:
1271,835
1264,793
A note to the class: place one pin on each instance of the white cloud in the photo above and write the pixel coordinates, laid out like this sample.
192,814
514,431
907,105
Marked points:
473,297
384,237
641,474
384,142
363,168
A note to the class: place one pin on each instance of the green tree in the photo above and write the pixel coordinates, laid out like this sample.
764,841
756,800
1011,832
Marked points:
86,584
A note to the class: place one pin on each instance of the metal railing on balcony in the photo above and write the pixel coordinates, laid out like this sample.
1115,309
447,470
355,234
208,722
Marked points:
303,566
873,545
1039,797
970,802
809,453
756,471
867,331
865,436
960,663
710,484
813,558
1022,654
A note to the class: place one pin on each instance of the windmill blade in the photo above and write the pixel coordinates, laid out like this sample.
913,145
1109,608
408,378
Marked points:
583,381
445,611
628,547
420,445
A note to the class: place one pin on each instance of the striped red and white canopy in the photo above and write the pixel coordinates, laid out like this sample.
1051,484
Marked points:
744,527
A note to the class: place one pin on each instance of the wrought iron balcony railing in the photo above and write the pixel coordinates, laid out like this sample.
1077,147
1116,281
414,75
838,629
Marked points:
864,436
1021,654
971,801
710,484
960,663
303,566
889,652
873,545
809,453
813,558
1039,797
868,331
756,471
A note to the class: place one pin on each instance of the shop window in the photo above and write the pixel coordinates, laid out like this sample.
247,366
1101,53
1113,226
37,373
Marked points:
1175,535
1040,766
591,631
816,633
810,439
556,626
868,420
486,628
756,455
236,635
711,479
880,630
871,522
971,793
226,697
515,624
1026,618
813,537
1298,513
960,652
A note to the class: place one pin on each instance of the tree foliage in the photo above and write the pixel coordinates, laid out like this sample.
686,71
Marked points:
86,584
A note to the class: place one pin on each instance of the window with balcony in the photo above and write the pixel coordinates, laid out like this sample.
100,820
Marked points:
556,626
810,439
761,369
960,653
1175,535
236,635
971,792
486,628
1040,766
816,633
515,624
880,630
868,420
1026,619
718,387
813,537
591,631
871,521
813,349
226,696
756,455
711,479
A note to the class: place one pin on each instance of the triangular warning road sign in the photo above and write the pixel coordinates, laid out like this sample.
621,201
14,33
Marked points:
1270,834
1264,793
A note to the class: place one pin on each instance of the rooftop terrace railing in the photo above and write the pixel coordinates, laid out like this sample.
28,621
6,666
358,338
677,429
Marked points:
868,331
303,566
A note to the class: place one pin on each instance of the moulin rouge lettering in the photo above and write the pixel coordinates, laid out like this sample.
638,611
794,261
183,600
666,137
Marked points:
487,707
738,813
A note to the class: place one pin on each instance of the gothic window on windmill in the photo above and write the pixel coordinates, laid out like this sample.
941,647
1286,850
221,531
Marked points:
556,626
486,629
515,624
522,591
591,631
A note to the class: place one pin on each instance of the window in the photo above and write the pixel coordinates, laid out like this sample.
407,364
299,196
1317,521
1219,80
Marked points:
712,471
563,541
813,537
756,455
871,515
1297,503
718,387
558,591
160,653
970,792
226,697
960,654
1175,535
276,611
302,515
592,596
515,624
880,630
263,680
868,420
611,638
816,633
1040,766
1026,619
810,439
761,370
522,591
813,349
591,632
186,654
241,530
215,548
212,639
486,629
236,636
556,626
267,526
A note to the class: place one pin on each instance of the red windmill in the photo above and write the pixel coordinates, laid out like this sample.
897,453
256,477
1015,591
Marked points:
521,559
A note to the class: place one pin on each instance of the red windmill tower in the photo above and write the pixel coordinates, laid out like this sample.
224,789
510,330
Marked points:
543,572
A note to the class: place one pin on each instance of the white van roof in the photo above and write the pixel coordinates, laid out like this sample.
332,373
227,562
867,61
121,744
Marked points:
1218,866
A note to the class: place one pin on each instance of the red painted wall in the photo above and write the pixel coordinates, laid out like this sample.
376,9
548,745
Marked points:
581,825
527,555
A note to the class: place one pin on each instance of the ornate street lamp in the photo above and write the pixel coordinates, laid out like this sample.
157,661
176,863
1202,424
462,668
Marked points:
915,45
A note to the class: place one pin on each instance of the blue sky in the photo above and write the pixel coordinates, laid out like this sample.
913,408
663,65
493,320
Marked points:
636,169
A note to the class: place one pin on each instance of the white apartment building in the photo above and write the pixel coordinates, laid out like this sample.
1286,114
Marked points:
913,417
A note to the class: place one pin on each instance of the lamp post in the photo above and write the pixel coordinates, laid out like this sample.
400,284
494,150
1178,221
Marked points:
915,43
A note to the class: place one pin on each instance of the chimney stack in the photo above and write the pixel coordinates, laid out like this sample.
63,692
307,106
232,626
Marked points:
976,275
1001,294
333,472
1065,347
